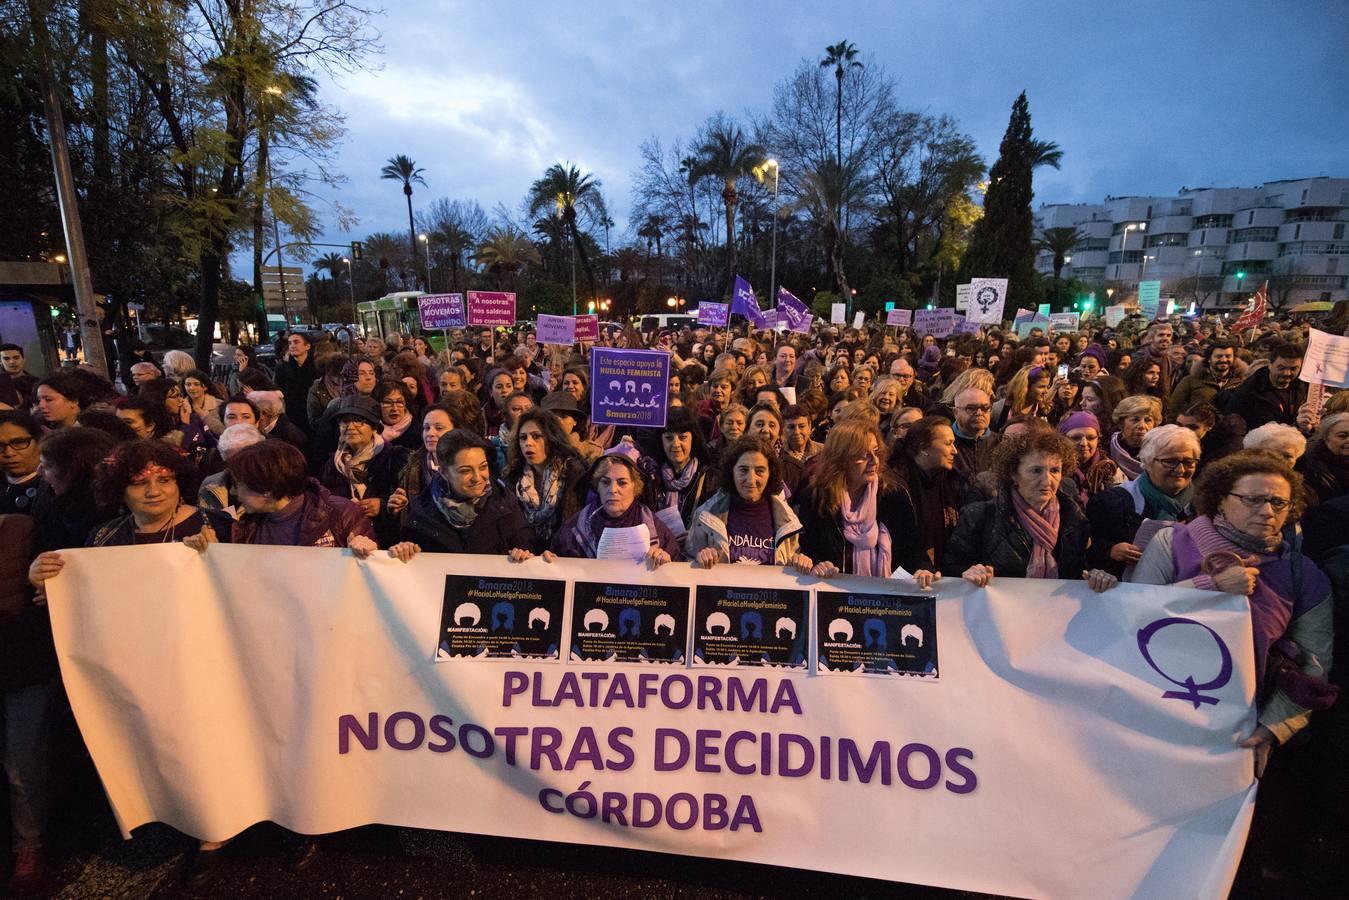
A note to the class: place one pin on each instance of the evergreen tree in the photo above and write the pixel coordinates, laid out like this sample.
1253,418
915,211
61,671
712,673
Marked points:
1001,243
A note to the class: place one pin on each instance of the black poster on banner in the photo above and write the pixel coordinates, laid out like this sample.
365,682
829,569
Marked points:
876,634
629,622
737,626
501,618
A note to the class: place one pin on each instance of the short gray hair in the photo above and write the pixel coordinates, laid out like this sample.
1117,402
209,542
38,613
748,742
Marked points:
237,437
1276,437
1164,438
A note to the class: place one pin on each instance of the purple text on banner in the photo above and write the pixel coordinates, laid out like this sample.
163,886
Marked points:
899,317
556,329
441,311
713,314
936,322
629,387
588,328
964,326
491,308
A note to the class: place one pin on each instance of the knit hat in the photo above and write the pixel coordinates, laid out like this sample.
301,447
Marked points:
1096,352
1079,419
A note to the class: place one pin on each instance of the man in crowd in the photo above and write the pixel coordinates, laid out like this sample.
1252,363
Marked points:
974,441
1272,393
17,386
295,375
1216,373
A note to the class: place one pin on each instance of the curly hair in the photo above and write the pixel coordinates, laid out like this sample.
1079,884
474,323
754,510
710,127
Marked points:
1219,477
115,472
559,445
1008,455
751,444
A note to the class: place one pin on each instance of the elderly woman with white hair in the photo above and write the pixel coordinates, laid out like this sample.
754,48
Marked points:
1168,457
273,422
217,491
177,364
1281,440
1325,465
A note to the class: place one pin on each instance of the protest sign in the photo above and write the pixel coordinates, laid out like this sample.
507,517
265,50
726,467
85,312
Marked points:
1149,292
876,634
794,312
634,623
491,308
1042,310
1023,327
1063,321
1114,315
588,328
629,387
1149,308
734,626
901,318
987,298
962,297
936,322
556,329
438,311
838,313
713,314
858,319
501,618
1326,361
1075,744
965,326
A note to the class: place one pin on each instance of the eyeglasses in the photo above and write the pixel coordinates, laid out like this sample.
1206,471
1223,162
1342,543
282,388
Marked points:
976,408
903,377
393,401
18,445
1253,502
1179,465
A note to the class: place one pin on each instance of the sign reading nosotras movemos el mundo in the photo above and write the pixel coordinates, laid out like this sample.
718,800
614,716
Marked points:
441,311
1075,744
491,308
629,387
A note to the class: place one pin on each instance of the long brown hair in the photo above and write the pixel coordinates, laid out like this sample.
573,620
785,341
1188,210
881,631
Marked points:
846,442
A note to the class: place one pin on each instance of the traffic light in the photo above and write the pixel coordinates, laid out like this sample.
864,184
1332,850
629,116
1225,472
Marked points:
1241,273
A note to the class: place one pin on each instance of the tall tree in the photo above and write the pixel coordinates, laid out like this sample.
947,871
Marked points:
505,252
1001,244
402,168
575,199
841,55
725,154
823,192
456,228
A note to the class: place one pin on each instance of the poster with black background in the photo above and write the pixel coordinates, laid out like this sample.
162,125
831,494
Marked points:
501,618
876,634
629,622
740,626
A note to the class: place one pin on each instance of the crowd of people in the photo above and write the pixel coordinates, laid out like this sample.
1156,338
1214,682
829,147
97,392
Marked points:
1160,453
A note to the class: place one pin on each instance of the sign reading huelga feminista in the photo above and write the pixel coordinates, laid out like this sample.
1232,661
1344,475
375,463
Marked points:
877,634
629,387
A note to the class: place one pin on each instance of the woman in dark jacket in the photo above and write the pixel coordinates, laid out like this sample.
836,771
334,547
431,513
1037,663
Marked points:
1325,467
65,509
855,518
924,462
1030,529
463,510
395,405
544,474
685,477
365,469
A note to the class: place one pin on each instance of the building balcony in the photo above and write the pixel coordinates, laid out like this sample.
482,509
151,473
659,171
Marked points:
1253,250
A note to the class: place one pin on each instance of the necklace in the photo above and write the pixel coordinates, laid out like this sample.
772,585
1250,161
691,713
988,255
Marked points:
170,528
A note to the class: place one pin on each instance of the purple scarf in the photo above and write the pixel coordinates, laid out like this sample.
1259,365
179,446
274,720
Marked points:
1043,528
869,539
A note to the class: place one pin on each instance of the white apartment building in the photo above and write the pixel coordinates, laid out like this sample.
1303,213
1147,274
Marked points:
1212,245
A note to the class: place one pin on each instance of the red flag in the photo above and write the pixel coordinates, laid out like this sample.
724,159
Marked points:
1255,314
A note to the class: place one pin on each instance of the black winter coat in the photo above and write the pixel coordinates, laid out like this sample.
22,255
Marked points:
1256,401
822,536
27,655
499,528
990,533
381,479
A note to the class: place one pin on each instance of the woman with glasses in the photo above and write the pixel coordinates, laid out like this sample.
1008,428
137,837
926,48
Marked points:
1162,491
1236,545
395,409
853,511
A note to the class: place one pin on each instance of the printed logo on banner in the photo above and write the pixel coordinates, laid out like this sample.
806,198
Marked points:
793,312
713,314
501,618
1216,667
629,387
876,634
491,308
632,623
746,303
441,311
736,626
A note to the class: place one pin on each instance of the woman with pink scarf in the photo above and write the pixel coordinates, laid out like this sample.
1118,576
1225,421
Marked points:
852,510
1031,528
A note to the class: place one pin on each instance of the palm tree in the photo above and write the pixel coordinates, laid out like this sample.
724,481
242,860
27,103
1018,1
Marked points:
825,192
653,229
505,252
402,168
841,55
332,263
1044,153
1060,242
568,194
727,155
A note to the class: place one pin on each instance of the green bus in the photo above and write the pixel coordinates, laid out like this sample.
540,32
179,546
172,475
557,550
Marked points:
389,315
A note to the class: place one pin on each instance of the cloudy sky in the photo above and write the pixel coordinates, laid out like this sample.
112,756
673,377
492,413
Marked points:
1142,98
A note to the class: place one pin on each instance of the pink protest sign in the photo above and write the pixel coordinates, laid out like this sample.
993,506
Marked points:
491,308
588,328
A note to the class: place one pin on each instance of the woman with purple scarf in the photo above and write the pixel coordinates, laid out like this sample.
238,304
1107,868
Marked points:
1034,527
618,483
1236,545
1095,471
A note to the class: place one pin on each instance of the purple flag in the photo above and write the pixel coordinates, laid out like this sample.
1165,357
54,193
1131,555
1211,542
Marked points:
793,312
746,304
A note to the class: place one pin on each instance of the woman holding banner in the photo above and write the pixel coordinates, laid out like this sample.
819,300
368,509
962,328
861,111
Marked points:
747,521
1236,545
1032,528
544,473
852,510
465,510
616,524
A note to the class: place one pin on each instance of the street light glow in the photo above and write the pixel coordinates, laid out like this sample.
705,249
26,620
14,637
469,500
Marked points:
422,237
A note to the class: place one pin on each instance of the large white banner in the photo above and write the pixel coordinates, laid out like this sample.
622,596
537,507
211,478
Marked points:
1030,738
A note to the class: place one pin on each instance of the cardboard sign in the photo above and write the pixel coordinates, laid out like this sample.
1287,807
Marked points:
629,387
1149,291
900,318
491,308
965,326
1114,315
858,319
1063,321
439,311
587,328
1327,359
556,329
962,297
936,322
987,298
838,313
714,314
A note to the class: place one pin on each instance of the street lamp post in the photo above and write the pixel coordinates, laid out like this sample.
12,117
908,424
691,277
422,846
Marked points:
426,243
351,284
773,256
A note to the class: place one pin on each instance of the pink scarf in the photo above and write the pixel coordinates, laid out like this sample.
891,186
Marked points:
1043,528
869,539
